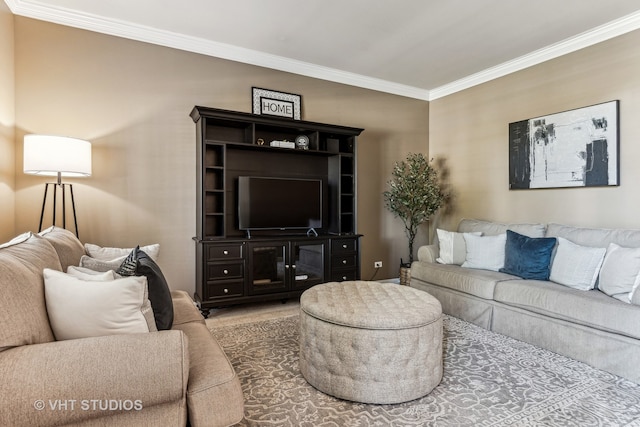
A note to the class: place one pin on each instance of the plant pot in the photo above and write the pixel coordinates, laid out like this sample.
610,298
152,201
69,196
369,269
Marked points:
405,274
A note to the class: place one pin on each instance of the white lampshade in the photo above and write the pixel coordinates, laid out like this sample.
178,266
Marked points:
49,155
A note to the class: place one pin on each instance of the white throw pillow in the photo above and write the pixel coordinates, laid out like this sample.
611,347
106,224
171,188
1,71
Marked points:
17,240
100,265
620,272
576,266
91,275
453,249
79,308
97,276
106,254
635,296
485,252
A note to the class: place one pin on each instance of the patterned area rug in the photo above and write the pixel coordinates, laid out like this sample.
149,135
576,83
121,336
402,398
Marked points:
489,380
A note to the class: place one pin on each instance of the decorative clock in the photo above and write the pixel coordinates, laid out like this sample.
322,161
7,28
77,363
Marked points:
302,142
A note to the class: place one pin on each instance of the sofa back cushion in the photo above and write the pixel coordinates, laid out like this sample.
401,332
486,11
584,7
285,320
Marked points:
595,237
66,244
488,228
23,313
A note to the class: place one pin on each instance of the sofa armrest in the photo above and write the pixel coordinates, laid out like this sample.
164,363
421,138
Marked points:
66,382
184,309
428,253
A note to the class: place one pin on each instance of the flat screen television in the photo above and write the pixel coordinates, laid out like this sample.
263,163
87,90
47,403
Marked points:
267,203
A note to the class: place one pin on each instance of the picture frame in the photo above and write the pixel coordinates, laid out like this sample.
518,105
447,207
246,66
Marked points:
573,148
273,103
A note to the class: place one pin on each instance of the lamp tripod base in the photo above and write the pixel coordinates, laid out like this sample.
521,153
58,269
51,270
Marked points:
64,189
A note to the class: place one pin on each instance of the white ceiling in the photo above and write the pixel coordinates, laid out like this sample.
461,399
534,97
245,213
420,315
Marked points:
422,49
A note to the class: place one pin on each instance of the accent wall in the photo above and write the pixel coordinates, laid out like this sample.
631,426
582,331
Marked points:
470,129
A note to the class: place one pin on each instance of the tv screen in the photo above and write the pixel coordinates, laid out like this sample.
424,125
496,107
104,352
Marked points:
279,203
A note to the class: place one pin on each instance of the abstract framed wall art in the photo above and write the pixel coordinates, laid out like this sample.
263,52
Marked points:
575,148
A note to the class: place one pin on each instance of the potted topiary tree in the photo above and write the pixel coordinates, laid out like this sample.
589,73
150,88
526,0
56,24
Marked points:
414,195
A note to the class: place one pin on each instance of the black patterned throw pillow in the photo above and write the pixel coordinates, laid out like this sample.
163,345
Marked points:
159,292
129,266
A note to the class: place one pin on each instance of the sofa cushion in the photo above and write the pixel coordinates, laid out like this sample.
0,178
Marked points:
480,283
620,272
150,370
595,237
528,257
184,309
81,308
214,391
489,228
589,308
24,315
485,252
66,244
453,249
576,266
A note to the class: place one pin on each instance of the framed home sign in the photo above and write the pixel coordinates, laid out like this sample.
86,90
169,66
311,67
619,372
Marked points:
576,148
272,103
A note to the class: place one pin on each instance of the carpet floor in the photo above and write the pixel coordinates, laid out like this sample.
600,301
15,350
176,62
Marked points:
489,380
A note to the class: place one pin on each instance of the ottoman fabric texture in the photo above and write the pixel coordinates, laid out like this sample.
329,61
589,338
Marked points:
370,342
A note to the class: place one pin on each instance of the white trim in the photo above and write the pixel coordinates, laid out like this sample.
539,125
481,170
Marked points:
72,18
151,35
599,34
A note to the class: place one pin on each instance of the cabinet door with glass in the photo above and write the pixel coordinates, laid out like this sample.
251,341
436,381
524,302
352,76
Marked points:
268,267
279,266
308,268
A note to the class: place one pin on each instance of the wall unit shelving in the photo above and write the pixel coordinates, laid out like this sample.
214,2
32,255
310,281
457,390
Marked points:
232,144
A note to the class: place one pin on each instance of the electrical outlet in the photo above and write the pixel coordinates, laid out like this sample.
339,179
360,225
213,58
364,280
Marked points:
377,264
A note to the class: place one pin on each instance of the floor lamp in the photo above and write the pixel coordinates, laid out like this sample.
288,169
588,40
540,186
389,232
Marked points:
57,156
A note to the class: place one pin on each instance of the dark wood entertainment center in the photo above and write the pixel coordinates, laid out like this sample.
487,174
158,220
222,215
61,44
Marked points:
234,266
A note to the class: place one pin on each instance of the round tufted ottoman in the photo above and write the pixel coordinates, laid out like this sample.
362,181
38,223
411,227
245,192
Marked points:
370,342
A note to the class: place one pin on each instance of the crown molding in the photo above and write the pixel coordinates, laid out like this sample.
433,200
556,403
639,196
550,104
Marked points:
73,18
599,34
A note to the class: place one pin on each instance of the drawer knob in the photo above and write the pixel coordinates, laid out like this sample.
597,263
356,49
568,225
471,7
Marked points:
344,277
225,271
226,291
225,252
344,261
344,246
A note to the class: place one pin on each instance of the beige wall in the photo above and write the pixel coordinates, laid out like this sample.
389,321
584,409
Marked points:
132,101
470,129
7,126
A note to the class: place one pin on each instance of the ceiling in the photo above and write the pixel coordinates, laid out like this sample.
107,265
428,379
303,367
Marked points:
423,49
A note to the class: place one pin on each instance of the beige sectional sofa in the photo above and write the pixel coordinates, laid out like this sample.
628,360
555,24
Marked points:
587,325
171,378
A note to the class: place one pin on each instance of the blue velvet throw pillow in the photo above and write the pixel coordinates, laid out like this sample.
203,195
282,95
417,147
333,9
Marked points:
528,257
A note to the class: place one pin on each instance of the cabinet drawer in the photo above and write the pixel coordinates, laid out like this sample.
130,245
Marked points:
224,251
343,245
342,275
224,271
230,288
343,261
